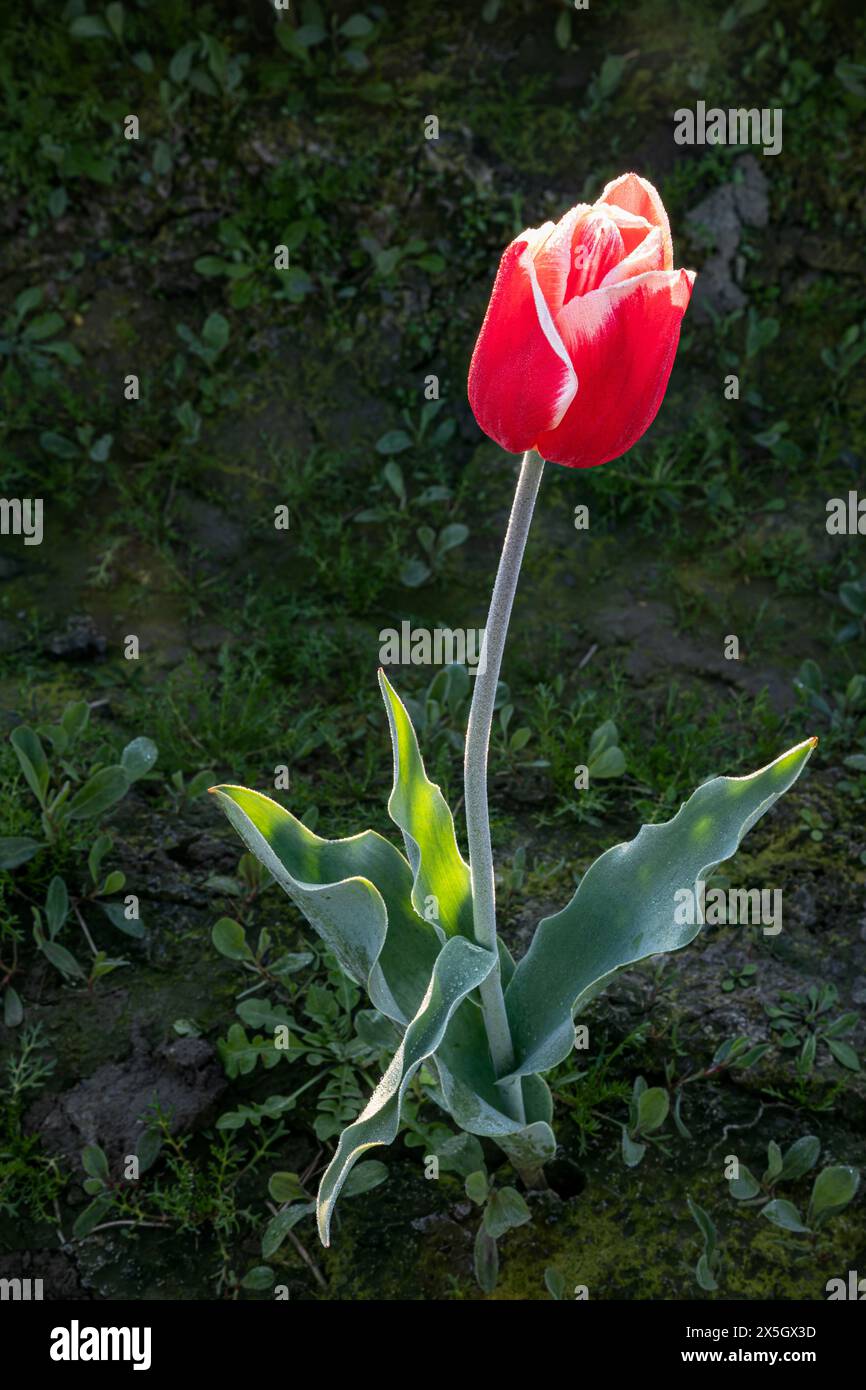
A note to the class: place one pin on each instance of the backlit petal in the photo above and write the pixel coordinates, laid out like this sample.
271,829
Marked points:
638,196
624,338
521,381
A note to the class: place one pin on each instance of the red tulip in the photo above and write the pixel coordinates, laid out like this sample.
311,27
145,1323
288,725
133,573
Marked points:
581,331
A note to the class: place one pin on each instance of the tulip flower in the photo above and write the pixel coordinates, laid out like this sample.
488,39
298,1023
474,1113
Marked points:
580,335
571,365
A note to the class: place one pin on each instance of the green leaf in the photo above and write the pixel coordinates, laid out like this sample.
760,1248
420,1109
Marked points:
681,1127
290,963
852,76
604,737
554,1282
844,1054
357,26
230,940
774,1162
355,59
800,1158
102,965
809,1049
533,1145
240,1053
450,537
784,1214
130,926
417,806
13,1009
461,1154
704,1223
652,1109
56,905
308,35
285,1187
471,1095
355,893
562,30
74,718
59,445
258,1279
704,1275
113,882
414,573
505,1209
138,757
62,959
45,326
609,763
278,1228
486,1260
59,200
215,332
94,1162
148,1148
32,760
102,790
625,907
460,967
632,1152
92,1215
752,1055
364,1178
845,1023
27,300
745,1186
17,849
89,26
212,266
114,15
476,1187
834,1188
394,442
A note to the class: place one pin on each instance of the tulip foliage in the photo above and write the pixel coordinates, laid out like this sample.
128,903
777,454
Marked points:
400,925
571,365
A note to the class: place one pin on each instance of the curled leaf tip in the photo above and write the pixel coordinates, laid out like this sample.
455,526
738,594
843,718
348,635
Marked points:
814,740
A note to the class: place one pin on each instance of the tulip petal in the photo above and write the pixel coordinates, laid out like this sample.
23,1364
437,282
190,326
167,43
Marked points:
632,229
625,338
521,380
597,249
648,255
552,254
638,196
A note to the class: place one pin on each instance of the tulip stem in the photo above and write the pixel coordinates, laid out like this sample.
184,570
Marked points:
475,774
